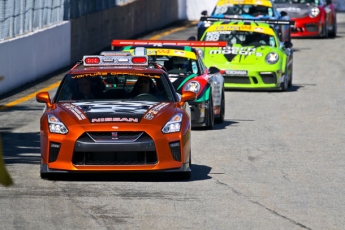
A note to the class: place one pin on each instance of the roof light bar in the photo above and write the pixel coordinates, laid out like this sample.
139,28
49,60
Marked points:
99,60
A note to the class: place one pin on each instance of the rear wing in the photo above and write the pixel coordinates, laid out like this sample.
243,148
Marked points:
230,19
143,43
282,27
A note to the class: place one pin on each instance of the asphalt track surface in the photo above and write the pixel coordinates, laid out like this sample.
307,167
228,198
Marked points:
277,162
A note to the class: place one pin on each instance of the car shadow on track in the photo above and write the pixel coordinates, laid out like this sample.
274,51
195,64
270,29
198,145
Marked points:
199,172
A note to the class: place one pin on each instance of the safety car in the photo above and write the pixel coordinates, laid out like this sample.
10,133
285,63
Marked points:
246,9
254,57
187,72
113,130
313,18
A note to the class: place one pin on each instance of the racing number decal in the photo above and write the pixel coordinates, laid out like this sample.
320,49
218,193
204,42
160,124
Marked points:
212,36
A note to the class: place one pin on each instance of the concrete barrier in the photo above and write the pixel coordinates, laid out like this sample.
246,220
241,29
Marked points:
28,58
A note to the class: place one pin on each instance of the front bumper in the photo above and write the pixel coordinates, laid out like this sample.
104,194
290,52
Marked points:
307,27
102,152
254,80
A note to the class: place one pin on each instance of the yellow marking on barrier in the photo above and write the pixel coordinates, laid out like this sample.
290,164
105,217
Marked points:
28,97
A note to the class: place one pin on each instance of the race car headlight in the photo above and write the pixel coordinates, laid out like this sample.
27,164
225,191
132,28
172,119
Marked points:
314,12
272,58
193,86
173,125
207,23
56,126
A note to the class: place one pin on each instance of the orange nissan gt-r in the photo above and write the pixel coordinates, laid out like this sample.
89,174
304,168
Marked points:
114,113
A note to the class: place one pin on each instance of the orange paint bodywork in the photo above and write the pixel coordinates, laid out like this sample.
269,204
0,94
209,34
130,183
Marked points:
71,152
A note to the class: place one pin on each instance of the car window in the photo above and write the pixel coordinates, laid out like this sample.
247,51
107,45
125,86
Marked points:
243,9
114,86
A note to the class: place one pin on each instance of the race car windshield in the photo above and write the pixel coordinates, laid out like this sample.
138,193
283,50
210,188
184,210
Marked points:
244,38
182,66
115,86
251,10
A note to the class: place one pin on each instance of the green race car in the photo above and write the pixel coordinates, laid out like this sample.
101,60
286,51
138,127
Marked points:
254,57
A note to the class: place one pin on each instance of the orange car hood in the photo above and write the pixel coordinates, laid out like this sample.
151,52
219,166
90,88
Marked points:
114,111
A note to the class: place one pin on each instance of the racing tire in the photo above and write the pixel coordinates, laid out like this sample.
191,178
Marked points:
210,114
220,119
290,76
45,176
184,175
324,31
333,33
284,84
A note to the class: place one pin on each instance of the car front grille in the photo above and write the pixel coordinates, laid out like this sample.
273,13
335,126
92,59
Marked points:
115,158
236,79
268,78
119,148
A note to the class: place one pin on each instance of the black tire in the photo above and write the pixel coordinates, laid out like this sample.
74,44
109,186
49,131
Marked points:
290,76
333,33
184,175
210,114
220,119
325,30
284,85
45,176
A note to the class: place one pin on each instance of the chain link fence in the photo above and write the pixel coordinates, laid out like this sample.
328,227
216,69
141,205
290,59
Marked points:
19,17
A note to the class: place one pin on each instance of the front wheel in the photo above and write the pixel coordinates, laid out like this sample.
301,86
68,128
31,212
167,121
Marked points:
285,83
220,119
210,115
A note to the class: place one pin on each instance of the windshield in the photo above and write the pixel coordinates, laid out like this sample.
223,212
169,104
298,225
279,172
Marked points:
244,38
252,10
178,65
115,86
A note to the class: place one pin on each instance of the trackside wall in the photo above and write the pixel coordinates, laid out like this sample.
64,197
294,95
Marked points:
95,31
30,57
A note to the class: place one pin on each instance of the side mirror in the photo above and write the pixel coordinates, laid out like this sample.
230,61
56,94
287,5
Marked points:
287,44
43,97
213,70
187,96
204,13
283,14
192,38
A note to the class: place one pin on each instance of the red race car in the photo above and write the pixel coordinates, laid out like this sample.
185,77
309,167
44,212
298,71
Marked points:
313,18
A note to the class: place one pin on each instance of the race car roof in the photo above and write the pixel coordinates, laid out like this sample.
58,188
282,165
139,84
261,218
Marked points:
267,3
252,26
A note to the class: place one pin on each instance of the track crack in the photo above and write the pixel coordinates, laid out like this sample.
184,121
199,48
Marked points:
239,193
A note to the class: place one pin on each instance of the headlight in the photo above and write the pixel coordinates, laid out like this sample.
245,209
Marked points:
173,125
193,86
56,126
314,12
207,23
272,58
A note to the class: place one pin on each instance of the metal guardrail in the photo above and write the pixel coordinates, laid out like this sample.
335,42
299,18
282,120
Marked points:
18,17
